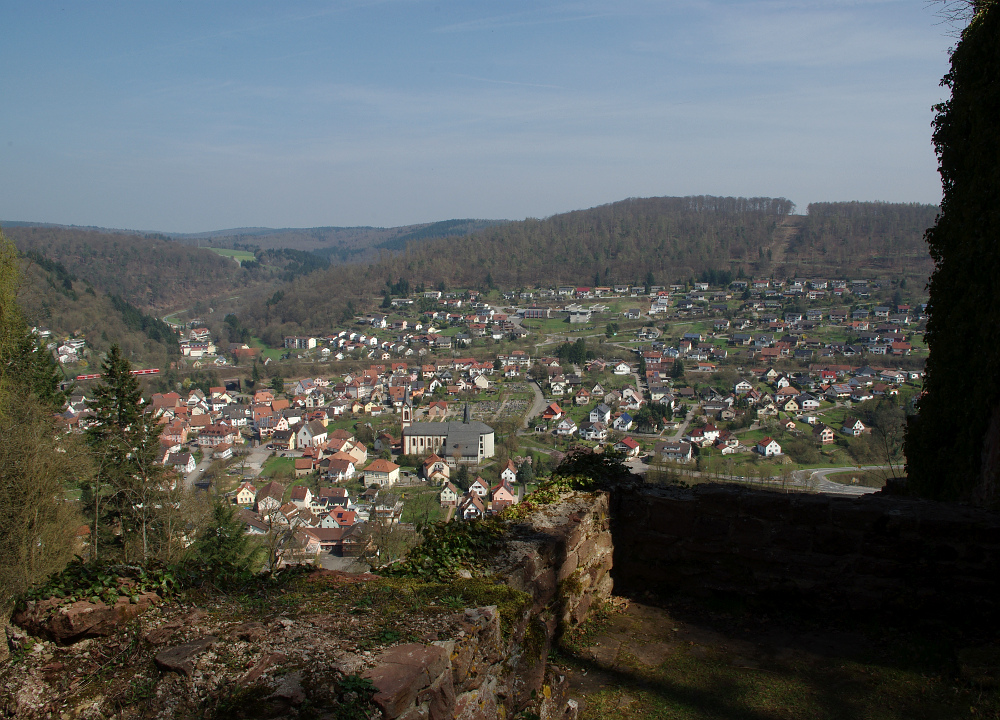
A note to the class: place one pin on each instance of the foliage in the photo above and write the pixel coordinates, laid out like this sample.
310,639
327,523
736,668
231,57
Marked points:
601,469
130,494
106,582
223,553
154,328
953,445
846,234
37,461
448,548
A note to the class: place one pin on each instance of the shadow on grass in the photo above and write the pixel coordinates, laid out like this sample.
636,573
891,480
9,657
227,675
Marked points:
739,668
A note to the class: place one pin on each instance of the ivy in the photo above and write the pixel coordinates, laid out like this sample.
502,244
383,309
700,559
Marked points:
106,583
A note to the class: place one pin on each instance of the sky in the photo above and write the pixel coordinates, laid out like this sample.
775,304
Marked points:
196,116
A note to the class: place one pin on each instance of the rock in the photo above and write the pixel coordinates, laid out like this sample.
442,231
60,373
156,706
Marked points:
290,689
68,623
181,658
160,635
263,664
348,663
250,631
402,672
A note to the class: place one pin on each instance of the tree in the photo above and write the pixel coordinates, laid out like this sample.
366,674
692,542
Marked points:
223,550
278,384
130,487
37,461
678,370
526,473
953,444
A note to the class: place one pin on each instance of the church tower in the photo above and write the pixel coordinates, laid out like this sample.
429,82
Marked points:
407,413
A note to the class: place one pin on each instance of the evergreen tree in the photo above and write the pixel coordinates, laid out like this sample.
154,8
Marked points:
129,486
223,551
953,445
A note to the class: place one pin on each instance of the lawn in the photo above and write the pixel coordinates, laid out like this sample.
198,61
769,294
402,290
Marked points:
278,465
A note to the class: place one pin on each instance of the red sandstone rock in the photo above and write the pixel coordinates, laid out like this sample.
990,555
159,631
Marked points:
181,658
82,619
402,672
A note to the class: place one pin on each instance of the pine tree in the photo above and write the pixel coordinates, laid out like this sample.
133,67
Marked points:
129,486
223,550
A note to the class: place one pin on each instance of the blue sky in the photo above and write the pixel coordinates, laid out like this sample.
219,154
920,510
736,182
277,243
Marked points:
192,116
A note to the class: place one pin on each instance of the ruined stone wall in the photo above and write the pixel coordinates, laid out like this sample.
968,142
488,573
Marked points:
874,553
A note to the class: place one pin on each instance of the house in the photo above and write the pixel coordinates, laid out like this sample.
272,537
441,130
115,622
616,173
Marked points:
182,462
566,427
301,496
381,472
435,469
269,498
768,447
553,412
479,487
854,429
593,431
601,414
622,423
628,446
509,473
471,507
502,495
823,433
675,451
304,466
622,368
245,495
449,494
312,434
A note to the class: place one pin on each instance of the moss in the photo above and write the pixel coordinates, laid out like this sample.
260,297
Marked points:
535,639
572,585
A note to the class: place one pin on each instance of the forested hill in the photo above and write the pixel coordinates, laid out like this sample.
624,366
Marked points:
662,240
336,244
876,234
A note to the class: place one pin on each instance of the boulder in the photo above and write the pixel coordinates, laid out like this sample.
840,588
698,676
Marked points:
82,619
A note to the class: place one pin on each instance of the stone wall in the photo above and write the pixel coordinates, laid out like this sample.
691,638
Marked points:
875,553
561,556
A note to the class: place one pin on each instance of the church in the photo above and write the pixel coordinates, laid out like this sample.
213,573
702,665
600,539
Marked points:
469,441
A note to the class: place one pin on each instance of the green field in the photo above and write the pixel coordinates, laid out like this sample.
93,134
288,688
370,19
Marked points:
239,255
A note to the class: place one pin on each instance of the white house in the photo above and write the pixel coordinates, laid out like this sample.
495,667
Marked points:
768,447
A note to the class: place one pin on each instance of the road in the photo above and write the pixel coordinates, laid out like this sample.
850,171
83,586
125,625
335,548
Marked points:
815,479
828,487
194,475
536,407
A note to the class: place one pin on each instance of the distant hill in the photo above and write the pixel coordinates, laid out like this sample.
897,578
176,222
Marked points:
634,241
149,272
336,244
54,298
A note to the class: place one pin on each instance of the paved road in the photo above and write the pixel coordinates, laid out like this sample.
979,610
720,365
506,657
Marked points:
828,487
536,407
196,474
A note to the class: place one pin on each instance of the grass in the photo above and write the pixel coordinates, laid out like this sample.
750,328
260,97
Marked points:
690,663
240,255
278,465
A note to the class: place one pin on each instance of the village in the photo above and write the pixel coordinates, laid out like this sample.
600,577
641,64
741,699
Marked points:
754,379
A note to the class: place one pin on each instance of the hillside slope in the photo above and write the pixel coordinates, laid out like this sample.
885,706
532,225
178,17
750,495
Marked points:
635,241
